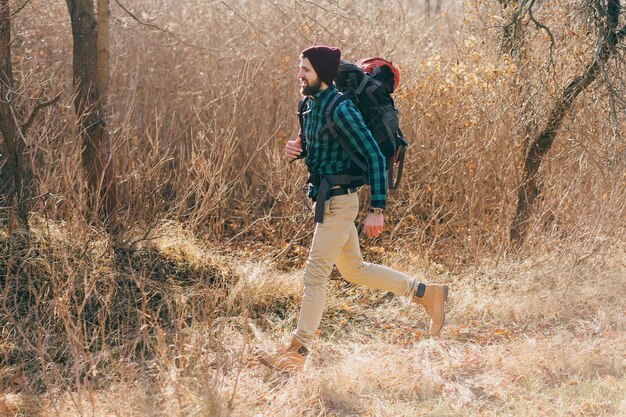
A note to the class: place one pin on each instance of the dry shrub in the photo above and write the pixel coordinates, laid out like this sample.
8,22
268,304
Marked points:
199,124
73,304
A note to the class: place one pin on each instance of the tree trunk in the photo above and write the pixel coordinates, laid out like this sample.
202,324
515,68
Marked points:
90,75
110,187
529,190
16,175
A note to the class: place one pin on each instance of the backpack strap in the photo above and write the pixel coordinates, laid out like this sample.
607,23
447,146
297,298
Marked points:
374,85
302,104
399,160
330,125
361,86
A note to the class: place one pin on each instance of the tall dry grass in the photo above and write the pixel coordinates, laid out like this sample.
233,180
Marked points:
198,130
216,228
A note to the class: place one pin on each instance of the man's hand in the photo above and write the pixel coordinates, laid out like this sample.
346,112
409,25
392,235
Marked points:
293,149
373,225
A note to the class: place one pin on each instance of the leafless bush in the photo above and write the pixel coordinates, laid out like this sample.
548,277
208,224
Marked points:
199,120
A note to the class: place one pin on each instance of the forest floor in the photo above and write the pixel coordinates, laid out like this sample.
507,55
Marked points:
539,336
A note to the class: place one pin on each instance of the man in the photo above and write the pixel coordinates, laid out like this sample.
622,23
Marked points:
335,241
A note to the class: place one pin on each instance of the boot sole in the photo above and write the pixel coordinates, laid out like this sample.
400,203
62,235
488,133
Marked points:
285,368
443,306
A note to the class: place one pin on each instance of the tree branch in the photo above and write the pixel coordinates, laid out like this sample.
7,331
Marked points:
289,20
513,31
19,9
153,26
254,27
544,27
345,16
25,126
621,33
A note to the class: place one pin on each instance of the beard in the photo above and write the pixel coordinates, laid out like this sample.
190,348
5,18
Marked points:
311,89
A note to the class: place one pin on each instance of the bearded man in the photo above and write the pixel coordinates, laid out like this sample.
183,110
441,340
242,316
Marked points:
333,184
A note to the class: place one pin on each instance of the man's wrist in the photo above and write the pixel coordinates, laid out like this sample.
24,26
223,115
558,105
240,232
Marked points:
376,210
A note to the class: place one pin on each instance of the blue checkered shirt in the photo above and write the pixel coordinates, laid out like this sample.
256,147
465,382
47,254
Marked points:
325,156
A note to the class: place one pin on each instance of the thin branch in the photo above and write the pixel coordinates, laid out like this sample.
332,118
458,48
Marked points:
153,26
512,29
254,27
19,9
621,34
615,93
345,16
41,196
542,26
290,21
236,14
24,127
279,10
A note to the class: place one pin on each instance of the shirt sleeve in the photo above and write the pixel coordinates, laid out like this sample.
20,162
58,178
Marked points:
351,126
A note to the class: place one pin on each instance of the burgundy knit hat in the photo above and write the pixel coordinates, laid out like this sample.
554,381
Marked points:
325,61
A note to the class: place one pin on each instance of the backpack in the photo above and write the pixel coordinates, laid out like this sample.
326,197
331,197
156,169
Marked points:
369,83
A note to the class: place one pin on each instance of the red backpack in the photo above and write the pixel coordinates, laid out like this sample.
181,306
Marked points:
369,83
381,69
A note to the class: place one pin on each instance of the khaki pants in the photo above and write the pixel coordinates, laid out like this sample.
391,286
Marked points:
336,242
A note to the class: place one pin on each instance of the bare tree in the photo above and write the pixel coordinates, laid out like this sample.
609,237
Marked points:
609,36
90,75
17,184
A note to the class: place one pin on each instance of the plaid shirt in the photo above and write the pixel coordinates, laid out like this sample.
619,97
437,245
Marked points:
325,156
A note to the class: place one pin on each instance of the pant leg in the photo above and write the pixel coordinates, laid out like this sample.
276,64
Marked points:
353,269
328,241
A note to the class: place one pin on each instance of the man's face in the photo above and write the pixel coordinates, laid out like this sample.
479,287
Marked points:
310,83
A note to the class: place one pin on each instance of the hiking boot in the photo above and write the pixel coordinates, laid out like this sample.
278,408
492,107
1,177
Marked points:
433,297
291,358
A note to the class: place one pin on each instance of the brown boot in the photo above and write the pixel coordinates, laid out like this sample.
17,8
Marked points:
291,358
433,298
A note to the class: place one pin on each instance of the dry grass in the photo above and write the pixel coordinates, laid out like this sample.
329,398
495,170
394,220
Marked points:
165,320
540,337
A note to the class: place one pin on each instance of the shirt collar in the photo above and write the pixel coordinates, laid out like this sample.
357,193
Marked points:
322,94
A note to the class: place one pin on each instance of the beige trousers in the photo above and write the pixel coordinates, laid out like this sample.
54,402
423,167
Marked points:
336,242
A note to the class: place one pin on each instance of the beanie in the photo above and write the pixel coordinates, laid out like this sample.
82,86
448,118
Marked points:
325,61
